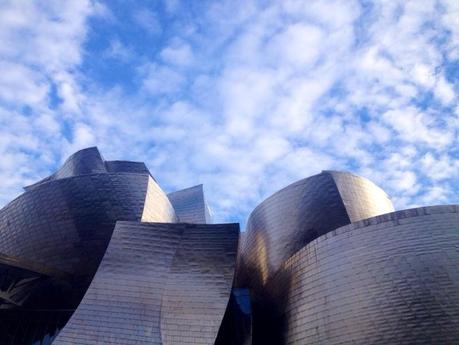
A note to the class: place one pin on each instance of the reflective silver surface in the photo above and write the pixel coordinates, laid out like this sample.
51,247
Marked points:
67,223
292,217
190,205
392,279
314,267
53,237
158,284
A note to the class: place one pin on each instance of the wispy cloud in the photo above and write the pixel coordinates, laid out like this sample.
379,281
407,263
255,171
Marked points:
242,96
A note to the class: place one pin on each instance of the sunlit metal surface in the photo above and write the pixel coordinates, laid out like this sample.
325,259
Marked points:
392,279
60,228
190,205
301,212
90,161
158,284
314,267
361,197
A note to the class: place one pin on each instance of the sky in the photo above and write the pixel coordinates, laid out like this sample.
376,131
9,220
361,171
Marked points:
245,97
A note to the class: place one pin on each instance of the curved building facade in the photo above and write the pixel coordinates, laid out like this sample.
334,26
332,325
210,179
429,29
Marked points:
391,279
67,222
294,216
53,238
97,253
158,284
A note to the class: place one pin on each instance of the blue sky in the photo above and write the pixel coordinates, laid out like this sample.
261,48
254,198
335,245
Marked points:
243,96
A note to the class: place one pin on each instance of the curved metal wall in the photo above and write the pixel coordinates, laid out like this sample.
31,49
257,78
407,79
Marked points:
60,228
157,207
158,284
67,223
301,212
83,162
391,279
126,166
361,197
199,284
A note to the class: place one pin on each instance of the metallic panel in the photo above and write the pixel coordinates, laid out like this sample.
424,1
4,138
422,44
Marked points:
158,284
190,205
361,197
66,220
199,284
83,162
67,223
53,237
391,279
157,207
299,213
126,166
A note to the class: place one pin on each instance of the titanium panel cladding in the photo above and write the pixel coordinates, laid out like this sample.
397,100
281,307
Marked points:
301,212
190,205
66,221
83,162
361,197
158,284
392,279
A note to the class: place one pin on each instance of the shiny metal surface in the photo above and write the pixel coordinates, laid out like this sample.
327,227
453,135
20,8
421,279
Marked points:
58,230
190,205
391,279
66,220
83,162
301,212
361,197
67,223
325,259
158,284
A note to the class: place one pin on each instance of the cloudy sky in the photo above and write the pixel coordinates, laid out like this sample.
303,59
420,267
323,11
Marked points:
243,96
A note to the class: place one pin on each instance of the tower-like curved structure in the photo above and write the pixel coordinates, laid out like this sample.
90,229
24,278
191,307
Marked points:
299,213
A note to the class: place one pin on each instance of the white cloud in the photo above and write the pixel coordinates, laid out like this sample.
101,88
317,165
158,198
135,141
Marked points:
161,79
178,53
246,97
415,126
297,46
41,45
444,91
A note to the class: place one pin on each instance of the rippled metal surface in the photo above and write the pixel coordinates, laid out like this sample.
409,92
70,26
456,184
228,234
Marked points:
64,224
314,277
158,284
392,279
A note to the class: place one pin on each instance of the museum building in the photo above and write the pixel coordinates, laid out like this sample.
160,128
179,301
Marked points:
98,253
